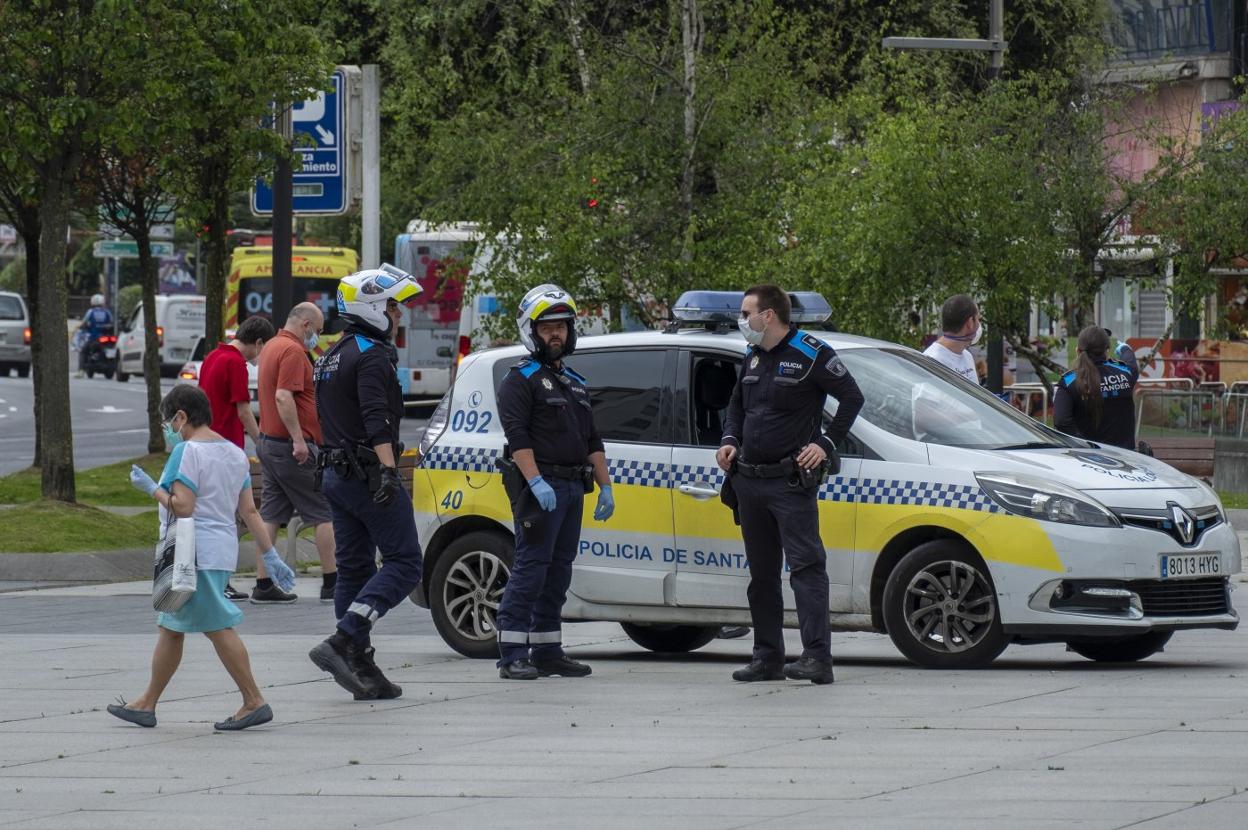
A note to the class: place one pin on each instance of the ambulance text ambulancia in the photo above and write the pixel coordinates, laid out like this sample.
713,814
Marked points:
956,524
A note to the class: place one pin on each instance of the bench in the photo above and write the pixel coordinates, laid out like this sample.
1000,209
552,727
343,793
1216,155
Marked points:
407,469
1194,456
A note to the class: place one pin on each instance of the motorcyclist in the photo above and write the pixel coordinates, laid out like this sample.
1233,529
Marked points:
96,322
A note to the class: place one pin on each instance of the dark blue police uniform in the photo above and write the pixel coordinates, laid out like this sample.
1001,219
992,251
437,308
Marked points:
1115,424
360,404
545,409
776,409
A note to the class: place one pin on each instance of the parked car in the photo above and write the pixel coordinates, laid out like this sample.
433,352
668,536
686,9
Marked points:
14,335
957,525
179,323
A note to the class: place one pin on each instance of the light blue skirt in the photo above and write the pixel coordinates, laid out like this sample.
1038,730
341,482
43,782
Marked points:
207,610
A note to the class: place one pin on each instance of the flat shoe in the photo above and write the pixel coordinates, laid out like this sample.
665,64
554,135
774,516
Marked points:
141,717
262,715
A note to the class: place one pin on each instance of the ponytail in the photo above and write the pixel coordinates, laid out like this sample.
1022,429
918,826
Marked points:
1093,351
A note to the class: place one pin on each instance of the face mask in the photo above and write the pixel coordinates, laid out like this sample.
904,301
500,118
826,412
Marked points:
979,332
754,338
311,340
172,436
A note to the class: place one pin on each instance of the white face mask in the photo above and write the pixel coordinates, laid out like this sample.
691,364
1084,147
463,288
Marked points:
311,340
979,332
752,336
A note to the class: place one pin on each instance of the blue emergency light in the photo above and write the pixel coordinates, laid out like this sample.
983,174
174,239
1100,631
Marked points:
709,307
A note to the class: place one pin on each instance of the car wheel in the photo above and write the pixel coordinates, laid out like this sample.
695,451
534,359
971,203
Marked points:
23,370
90,374
940,608
1123,649
670,638
122,377
108,374
466,589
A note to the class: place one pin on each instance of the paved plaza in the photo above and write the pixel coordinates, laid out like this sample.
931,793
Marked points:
1043,739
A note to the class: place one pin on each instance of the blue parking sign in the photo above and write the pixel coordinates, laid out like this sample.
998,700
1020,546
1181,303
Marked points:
320,136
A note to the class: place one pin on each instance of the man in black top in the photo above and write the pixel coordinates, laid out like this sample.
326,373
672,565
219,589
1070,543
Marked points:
548,421
774,432
360,405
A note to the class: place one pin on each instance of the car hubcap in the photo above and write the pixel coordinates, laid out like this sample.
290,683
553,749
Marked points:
949,606
473,590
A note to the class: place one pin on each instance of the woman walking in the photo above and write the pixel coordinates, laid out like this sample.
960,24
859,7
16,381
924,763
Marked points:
207,478
1094,401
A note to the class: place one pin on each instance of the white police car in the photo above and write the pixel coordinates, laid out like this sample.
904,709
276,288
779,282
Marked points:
956,524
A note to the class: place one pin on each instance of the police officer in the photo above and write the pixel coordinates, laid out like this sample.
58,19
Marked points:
97,321
1094,400
544,408
774,451
360,405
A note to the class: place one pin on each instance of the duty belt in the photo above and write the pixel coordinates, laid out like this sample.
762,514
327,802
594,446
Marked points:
781,469
574,473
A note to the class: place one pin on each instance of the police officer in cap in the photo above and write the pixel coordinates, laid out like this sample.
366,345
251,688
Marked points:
360,405
556,456
774,452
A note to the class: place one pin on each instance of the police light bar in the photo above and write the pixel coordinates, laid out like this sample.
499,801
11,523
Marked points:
809,307
725,307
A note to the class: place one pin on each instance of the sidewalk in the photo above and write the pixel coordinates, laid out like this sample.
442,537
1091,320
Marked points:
1042,739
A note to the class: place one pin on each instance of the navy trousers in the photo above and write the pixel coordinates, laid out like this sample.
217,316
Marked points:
779,522
364,593
530,617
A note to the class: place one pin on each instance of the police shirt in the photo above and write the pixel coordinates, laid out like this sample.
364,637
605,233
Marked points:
777,404
547,410
358,397
1117,422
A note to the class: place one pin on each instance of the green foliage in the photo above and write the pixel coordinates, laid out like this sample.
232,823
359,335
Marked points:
104,486
128,300
55,527
13,277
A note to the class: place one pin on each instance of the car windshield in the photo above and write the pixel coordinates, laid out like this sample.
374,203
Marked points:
917,398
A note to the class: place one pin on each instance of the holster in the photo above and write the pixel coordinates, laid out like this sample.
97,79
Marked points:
728,495
524,506
369,466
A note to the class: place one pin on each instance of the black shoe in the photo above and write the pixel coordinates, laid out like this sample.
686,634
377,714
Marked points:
344,664
327,595
521,669
732,632
272,595
369,672
808,668
758,670
563,666
235,595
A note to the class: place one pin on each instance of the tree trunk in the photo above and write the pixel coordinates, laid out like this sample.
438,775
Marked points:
32,303
151,342
691,43
55,421
218,263
575,30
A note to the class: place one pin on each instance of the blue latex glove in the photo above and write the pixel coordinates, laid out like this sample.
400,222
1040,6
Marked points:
606,504
141,481
281,574
543,492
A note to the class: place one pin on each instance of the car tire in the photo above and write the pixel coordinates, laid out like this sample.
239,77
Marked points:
466,589
23,370
1123,649
952,572
122,377
670,638
90,374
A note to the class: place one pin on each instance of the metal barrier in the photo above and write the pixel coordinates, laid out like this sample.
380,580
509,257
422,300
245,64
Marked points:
1239,402
1179,410
1186,384
1025,392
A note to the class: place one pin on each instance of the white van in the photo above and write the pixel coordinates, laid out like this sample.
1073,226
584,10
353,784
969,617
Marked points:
180,320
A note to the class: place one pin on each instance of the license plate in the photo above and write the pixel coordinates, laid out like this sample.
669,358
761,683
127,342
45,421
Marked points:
1179,566
111,354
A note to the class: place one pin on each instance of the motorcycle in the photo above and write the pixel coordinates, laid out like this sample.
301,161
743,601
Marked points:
99,354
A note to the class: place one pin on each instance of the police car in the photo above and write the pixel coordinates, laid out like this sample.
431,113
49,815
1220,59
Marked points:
956,524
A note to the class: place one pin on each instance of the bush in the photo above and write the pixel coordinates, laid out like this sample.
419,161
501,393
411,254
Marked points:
128,300
13,277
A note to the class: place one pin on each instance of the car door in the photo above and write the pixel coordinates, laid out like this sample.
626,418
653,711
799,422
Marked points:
626,560
711,568
130,343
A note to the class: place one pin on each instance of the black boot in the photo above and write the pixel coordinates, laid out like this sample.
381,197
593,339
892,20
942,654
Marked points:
371,674
563,665
758,670
520,669
337,656
809,668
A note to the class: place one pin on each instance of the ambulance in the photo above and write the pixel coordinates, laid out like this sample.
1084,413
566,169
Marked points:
956,525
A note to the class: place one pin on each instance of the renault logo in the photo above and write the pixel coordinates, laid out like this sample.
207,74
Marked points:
1184,525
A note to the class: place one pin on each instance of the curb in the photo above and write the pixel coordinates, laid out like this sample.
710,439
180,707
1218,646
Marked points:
101,566
1238,519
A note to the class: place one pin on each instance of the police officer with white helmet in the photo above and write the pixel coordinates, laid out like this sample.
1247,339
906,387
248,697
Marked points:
552,459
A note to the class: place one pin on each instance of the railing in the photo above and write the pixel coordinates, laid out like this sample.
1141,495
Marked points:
1023,397
1208,412
1145,29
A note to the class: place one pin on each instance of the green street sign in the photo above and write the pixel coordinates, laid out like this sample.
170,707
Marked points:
128,249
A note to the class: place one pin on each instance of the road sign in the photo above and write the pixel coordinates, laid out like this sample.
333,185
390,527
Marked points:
321,139
128,249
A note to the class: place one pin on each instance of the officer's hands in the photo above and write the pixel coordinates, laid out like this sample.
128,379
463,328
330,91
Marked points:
811,456
281,574
543,492
606,504
141,481
300,451
725,456
391,486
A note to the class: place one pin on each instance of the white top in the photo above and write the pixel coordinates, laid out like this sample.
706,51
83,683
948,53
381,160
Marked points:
216,472
963,364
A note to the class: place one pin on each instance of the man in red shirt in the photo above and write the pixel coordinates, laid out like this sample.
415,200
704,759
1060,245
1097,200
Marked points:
223,378
290,434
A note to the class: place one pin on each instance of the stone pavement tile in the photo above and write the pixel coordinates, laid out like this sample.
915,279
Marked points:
1227,813
1063,780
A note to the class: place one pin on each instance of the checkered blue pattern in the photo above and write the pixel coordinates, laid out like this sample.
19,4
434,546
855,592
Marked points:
641,473
895,491
468,459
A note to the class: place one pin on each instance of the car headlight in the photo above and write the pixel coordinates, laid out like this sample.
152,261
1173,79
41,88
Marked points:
1213,497
1037,498
437,424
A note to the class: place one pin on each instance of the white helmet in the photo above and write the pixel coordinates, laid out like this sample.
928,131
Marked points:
362,296
546,302
97,299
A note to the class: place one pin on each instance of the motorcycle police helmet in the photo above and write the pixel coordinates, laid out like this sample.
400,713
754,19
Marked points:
97,299
362,296
543,304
